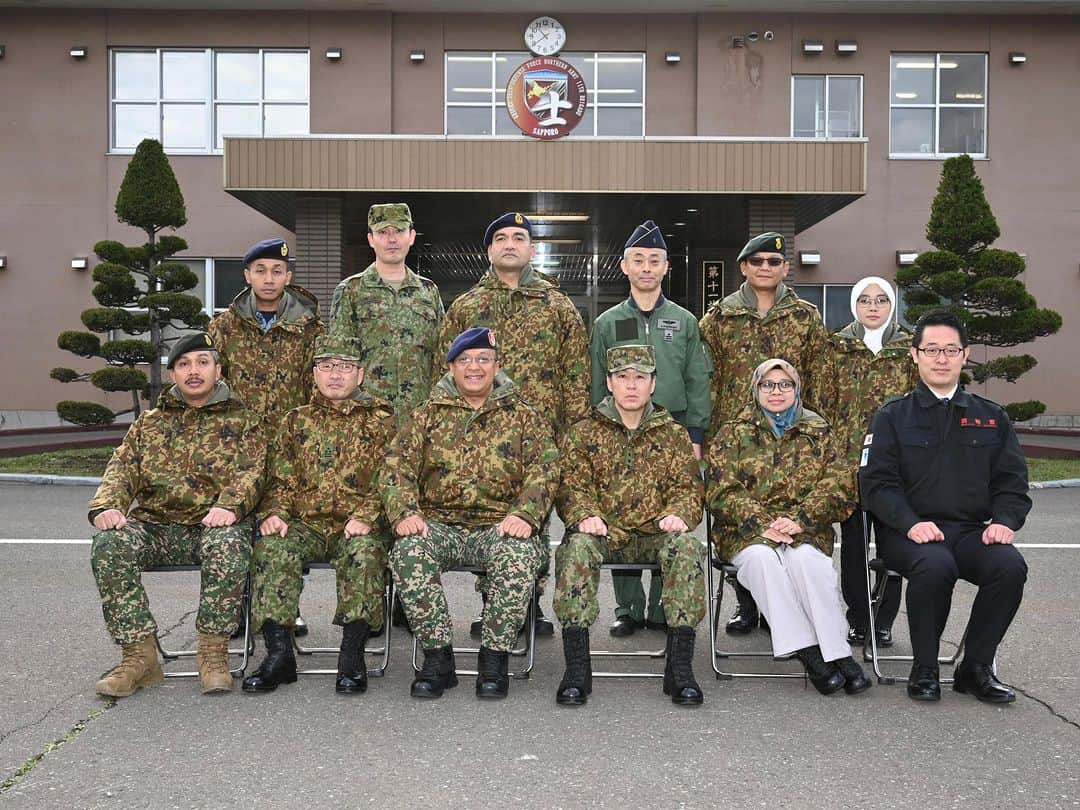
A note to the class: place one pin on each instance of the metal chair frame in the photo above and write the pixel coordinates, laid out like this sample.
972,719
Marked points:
640,653
383,651
527,650
245,652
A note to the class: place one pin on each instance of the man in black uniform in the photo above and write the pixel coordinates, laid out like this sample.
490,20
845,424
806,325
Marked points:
943,474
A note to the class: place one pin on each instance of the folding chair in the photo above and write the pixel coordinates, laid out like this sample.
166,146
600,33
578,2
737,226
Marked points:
714,594
383,651
640,653
245,652
527,650
875,595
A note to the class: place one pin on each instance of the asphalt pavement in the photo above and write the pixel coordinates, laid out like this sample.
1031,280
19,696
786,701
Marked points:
754,743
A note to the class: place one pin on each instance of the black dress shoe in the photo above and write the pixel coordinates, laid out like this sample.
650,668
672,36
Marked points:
624,626
884,637
300,627
742,621
923,683
856,636
979,680
855,680
824,675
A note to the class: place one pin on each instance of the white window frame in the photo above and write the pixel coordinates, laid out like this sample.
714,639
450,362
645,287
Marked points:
937,106
209,100
592,96
827,77
824,297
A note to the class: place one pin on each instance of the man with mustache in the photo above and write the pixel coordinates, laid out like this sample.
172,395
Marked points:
194,465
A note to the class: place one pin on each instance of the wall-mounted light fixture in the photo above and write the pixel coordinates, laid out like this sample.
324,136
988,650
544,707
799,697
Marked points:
417,55
672,57
333,54
1017,58
809,258
846,47
78,51
80,263
3,262
906,257
813,46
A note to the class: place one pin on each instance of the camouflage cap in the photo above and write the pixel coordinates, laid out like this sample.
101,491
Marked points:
770,242
339,346
639,358
386,215
198,342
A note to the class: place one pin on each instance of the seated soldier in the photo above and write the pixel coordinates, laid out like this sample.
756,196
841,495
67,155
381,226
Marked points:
195,466
631,489
321,504
468,481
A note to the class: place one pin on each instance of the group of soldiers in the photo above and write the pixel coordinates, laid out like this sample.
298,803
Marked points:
407,438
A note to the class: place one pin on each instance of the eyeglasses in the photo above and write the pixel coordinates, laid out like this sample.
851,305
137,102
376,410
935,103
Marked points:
866,300
772,261
345,367
768,385
948,351
465,360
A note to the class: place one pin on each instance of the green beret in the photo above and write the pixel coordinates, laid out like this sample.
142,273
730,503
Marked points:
639,358
198,342
383,216
339,346
770,242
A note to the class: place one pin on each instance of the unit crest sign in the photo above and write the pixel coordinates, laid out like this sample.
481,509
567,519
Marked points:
546,97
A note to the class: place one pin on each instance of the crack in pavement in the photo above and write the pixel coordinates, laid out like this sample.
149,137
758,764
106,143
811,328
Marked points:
1049,707
178,624
33,723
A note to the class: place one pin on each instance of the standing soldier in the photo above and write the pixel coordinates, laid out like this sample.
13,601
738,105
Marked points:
542,337
394,313
764,318
194,466
469,480
321,504
631,492
682,384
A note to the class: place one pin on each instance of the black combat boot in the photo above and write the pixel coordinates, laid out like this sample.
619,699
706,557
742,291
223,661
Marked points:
679,679
476,627
825,677
745,618
492,680
398,616
436,675
279,666
576,684
351,669
544,627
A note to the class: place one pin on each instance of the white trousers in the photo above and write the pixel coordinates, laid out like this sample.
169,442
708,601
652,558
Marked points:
795,587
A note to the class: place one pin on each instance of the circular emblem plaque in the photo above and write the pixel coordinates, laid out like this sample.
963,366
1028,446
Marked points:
546,97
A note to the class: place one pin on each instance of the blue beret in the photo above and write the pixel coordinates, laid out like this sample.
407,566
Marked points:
646,235
769,242
479,337
510,220
267,249
198,342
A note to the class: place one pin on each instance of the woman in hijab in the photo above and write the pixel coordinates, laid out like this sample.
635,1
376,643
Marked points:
873,364
775,486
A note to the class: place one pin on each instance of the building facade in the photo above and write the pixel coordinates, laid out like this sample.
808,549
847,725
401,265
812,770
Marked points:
715,123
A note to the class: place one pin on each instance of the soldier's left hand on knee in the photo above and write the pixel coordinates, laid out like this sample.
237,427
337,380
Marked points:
217,517
356,527
673,523
514,526
785,525
997,533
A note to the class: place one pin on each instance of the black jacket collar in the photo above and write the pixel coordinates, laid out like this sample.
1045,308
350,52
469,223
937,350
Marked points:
927,398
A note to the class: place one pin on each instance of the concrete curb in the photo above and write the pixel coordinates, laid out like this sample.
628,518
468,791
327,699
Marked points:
1064,482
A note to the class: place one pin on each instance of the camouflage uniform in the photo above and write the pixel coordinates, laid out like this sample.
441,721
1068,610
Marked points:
178,462
630,479
270,371
398,330
738,338
322,471
464,470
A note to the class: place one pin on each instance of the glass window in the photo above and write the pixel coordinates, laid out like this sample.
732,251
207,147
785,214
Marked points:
937,104
476,89
228,281
189,99
832,300
826,107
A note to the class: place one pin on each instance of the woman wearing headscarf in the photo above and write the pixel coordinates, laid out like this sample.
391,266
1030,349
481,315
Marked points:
775,486
873,364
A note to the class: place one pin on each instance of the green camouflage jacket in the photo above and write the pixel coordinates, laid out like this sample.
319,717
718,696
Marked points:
178,461
862,381
541,340
270,371
324,462
739,339
630,478
455,464
755,478
398,331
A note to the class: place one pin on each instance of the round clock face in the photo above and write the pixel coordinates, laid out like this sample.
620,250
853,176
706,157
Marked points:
545,36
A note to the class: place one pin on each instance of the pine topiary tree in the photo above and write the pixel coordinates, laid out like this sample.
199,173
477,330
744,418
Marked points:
978,283
140,292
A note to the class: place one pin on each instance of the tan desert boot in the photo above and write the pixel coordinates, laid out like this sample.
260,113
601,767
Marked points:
139,667
213,660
